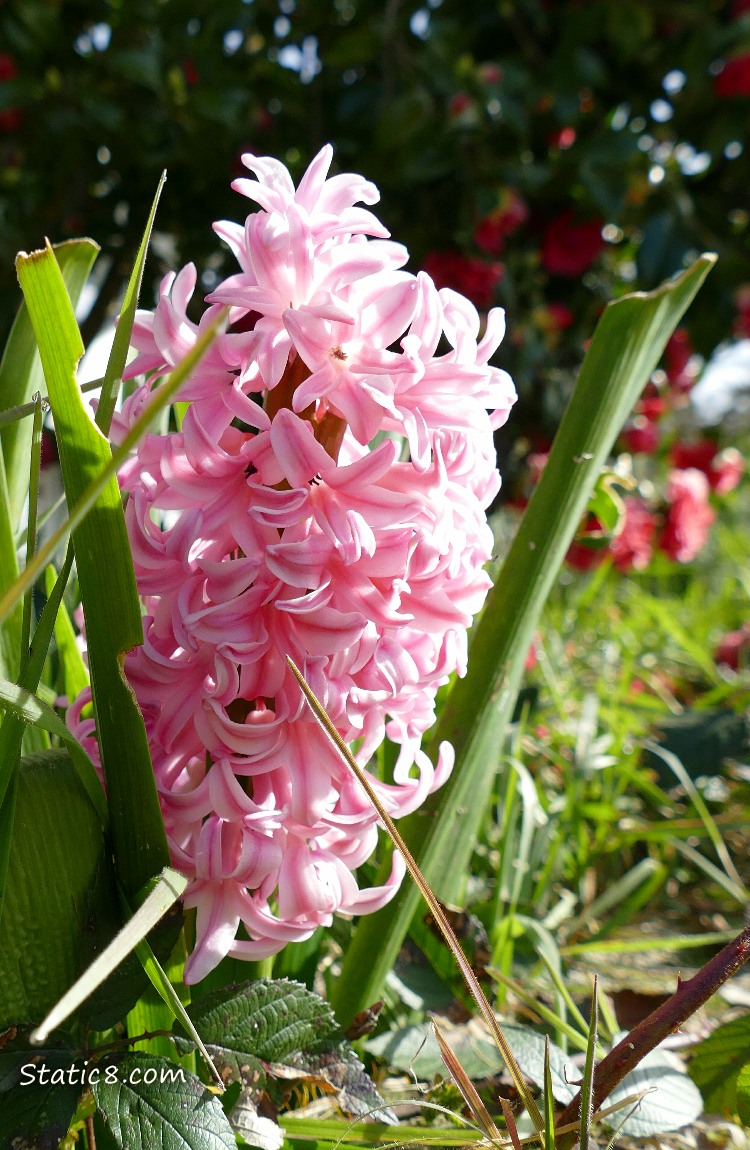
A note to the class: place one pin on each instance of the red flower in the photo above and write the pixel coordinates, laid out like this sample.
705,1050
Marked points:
560,315
677,356
10,118
734,78
689,517
723,470
474,278
631,548
190,72
734,649
699,454
651,407
459,104
641,436
584,555
8,70
563,139
568,249
506,218
742,301
727,470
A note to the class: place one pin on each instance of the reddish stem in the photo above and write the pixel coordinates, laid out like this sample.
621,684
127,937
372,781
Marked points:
662,1022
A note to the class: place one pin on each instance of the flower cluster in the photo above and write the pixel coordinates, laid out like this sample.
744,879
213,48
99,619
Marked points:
324,499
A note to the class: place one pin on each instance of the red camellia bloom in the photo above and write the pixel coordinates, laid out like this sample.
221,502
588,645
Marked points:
723,469
8,70
642,436
677,356
699,454
734,649
742,302
10,118
560,315
631,548
569,248
474,278
727,470
563,139
734,79
689,517
507,217
584,555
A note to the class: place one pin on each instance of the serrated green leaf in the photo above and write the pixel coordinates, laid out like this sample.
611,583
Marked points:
269,1018
338,1065
16,1053
36,1115
152,1102
717,1062
743,1095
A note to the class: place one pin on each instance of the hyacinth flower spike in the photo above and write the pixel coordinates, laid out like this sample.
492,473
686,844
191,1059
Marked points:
325,499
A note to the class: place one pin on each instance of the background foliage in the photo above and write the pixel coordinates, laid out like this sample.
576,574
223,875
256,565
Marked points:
503,136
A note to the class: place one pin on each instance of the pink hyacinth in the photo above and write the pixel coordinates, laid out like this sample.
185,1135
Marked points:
325,498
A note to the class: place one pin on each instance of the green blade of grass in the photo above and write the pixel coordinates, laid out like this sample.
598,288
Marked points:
702,810
35,469
75,674
639,945
587,1084
12,626
119,353
106,578
739,893
616,893
549,1101
171,1000
625,349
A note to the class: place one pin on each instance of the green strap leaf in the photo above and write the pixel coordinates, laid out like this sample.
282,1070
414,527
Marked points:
21,371
53,909
106,578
